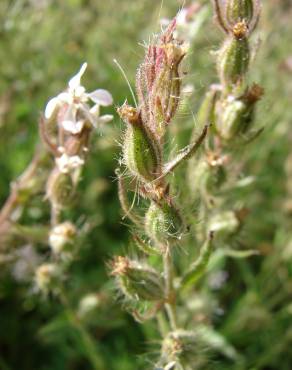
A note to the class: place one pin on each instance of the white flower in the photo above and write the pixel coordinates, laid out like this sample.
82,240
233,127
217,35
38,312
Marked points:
88,304
62,236
67,163
46,277
75,100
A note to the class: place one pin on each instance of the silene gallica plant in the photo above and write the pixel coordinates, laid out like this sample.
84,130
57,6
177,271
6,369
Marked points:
155,280
41,254
183,205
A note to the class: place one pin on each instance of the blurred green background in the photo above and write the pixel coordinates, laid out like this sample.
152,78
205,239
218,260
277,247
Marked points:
43,43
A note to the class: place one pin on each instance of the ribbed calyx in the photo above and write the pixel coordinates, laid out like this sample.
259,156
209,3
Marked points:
183,348
239,10
238,18
137,280
60,189
235,116
163,223
141,151
233,62
158,81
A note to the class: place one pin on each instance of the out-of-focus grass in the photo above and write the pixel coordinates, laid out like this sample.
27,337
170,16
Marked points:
42,44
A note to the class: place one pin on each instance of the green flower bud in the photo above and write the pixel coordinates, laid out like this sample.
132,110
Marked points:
233,62
136,280
183,347
141,151
231,117
239,10
205,175
60,189
163,223
158,81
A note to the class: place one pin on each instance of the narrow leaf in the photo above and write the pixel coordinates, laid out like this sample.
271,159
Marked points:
240,254
145,247
199,266
185,153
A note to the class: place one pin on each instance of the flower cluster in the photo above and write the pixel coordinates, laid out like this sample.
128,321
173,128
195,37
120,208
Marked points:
66,128
72,105
72,116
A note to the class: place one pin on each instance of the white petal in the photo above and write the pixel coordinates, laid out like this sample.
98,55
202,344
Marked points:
79,126
66,163
181,17
95,110
101,97
68,120
88,115
70,126
51,107
75,80
65,97
106,118
79,92
73,127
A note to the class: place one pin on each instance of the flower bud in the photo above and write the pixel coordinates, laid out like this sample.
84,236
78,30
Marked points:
239,10
60,189
88,304
206,175
230,118
183,347
158,81
141,152
234,116
163,223
224,224
62,237
46,277
137,280
233,61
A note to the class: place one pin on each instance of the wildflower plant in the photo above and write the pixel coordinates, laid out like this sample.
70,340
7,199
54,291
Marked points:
149,281
66,128
161,228
230,107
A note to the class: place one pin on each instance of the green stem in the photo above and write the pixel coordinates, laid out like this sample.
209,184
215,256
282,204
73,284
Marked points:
162,324
170,306
90,348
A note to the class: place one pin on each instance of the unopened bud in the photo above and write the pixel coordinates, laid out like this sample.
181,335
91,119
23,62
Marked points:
230,118
88,304
163,224
239,10
233,62
137,280
141,152
60,188
62,237
224,224
183,347
46,277
158,81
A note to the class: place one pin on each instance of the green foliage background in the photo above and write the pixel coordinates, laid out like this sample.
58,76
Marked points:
43,43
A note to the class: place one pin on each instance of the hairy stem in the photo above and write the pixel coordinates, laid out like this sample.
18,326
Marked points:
170,304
